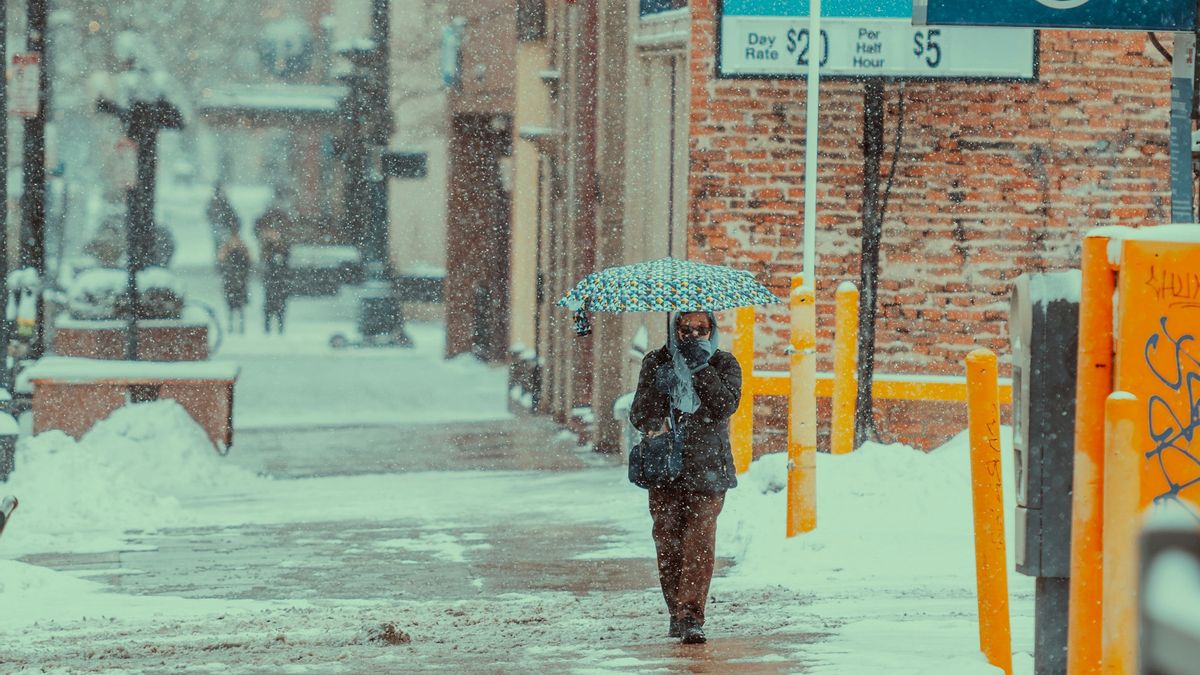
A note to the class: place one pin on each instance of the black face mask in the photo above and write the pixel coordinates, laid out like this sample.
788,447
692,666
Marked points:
696,351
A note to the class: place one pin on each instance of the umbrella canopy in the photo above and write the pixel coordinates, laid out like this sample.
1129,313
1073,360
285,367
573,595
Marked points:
664,285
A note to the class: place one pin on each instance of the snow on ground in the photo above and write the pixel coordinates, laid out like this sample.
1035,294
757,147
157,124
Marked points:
886,580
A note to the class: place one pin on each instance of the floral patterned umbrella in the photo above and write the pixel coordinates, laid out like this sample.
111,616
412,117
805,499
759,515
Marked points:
663,285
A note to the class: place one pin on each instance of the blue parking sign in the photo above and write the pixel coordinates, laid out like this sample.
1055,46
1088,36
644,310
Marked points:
1168,15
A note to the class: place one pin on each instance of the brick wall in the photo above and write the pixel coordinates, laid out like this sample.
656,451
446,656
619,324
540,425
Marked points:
992,180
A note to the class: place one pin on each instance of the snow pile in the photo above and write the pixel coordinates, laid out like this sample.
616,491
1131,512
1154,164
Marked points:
127,472
32,581
99,282
887,515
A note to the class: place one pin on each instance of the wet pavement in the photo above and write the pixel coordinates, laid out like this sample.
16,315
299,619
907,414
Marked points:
390,561
483,572
524,444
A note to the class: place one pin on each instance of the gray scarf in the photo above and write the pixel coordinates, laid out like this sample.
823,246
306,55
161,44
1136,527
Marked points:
682,393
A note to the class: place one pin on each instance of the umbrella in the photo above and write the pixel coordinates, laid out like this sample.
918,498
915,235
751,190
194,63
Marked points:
663,285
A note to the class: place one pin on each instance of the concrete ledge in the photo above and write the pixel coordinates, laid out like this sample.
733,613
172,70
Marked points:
71,394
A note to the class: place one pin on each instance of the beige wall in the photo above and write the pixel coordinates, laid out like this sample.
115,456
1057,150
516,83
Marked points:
656,182
417,207
614,372
532,114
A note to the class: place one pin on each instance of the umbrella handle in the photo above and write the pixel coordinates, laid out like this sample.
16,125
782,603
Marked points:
583,323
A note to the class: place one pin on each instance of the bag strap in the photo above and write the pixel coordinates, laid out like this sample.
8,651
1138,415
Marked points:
671,424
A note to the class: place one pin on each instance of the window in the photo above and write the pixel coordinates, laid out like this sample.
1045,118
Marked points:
655,6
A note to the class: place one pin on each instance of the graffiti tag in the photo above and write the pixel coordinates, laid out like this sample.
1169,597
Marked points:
1179,289
1175,362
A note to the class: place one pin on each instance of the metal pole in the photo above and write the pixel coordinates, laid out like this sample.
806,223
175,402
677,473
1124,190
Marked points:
1183,73
5,329
144,127
872,233
378,133
33,198
815,51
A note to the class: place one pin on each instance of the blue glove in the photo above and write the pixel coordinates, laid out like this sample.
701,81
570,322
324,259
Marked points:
696,353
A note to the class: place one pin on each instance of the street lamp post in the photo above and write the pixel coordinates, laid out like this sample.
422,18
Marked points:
33,166
144,110
368,116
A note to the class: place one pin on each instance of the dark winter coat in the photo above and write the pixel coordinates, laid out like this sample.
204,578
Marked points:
233,259
707,453
221,216
275,275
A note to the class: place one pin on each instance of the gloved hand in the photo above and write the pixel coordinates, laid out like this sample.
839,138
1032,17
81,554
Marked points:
662,378
696,353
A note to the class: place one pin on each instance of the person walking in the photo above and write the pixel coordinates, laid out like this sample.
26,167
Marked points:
233,261
222,217
699,387
273,249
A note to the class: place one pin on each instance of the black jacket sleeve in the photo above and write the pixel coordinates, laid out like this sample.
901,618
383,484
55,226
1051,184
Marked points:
650,405
719,387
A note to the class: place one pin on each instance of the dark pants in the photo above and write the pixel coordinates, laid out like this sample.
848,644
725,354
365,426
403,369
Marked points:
685,533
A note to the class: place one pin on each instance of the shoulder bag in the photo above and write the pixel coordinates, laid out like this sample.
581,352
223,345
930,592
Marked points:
657,460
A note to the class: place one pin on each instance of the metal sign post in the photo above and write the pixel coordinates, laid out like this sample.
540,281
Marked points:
1183,72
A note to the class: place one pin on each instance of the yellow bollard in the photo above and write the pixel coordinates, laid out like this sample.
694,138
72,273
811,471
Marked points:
987,501
1122,515
802,412
845,370
741,425
1093,384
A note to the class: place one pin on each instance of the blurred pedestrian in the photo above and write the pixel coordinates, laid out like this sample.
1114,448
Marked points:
271,229
107,247
222,218
233,261
699,388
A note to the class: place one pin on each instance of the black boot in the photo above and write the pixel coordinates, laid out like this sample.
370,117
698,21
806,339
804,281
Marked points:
674,630
691,632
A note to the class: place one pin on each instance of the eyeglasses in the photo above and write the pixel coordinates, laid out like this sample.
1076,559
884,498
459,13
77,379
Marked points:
694,331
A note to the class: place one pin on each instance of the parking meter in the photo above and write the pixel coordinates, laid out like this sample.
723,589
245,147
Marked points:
1043,331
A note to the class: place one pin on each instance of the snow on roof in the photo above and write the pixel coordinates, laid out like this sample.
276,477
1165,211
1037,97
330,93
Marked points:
1184,233
273,98
70,369
1051,286
26,277
359,44
306,255
1188,233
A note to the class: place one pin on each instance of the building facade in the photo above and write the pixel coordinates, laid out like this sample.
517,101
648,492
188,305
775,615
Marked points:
645,151
479,178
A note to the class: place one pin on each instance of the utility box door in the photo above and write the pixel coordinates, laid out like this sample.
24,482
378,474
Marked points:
1043,330
1158,360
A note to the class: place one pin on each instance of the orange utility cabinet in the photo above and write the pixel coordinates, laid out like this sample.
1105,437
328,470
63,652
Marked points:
1157,355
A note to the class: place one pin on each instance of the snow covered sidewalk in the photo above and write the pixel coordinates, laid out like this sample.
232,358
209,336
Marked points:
381,511
475,569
